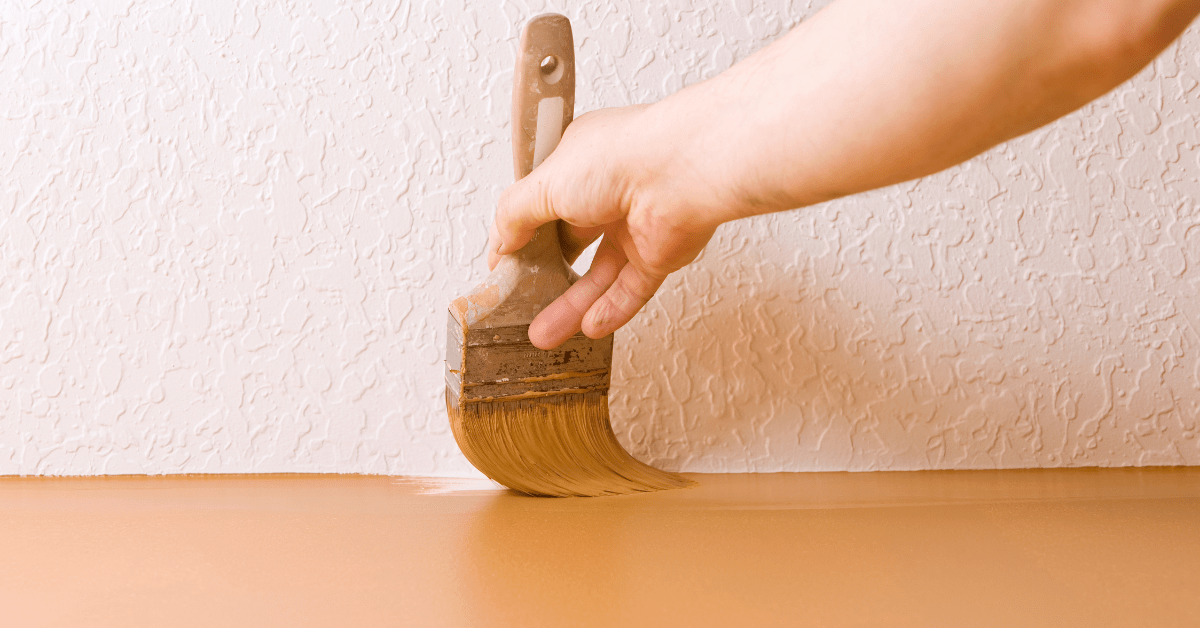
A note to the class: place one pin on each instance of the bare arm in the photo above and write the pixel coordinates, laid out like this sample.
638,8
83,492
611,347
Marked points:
865,94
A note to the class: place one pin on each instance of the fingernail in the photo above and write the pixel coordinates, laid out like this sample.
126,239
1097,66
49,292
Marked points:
595,321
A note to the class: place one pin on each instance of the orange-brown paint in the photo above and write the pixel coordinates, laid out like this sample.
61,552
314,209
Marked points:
1116,547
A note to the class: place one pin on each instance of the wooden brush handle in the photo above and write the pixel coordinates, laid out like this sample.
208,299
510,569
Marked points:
543,104
543,100
527,281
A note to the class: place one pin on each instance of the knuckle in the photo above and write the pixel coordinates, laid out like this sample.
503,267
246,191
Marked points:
544,205
629,297
579,300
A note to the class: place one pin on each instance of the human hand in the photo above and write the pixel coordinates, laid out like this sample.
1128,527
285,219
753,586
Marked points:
865,94
615,174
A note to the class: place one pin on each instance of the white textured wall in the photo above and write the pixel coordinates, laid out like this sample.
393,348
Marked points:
229,232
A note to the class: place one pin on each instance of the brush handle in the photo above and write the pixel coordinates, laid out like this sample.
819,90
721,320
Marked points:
543,104
543,98
527,281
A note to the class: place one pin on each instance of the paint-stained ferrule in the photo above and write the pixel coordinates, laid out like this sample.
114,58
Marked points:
500,364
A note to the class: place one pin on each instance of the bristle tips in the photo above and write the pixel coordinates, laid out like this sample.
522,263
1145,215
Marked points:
553,446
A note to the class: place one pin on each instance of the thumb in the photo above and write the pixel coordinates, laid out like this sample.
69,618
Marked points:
523,207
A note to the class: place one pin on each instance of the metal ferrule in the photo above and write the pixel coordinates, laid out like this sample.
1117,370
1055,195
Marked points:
500,364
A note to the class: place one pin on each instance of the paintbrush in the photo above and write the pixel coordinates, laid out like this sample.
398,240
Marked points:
537,421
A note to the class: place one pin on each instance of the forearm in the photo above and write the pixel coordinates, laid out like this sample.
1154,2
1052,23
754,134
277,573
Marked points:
868,93
865,94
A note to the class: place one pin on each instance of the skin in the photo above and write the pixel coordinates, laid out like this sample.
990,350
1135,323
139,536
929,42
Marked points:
865,94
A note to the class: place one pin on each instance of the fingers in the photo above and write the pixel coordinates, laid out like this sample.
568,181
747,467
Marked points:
574,239
492,246
523,207
563,318
602,301
627,295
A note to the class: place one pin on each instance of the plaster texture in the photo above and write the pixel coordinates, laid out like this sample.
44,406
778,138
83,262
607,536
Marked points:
229,233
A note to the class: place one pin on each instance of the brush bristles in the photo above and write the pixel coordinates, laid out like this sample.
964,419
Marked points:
556,446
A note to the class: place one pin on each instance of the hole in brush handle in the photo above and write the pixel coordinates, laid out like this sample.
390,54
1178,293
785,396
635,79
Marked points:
549,128
551,69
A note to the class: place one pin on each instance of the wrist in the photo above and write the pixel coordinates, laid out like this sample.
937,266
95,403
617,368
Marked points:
681,160
707,142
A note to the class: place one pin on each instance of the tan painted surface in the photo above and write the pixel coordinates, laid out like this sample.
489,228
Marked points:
1008,548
